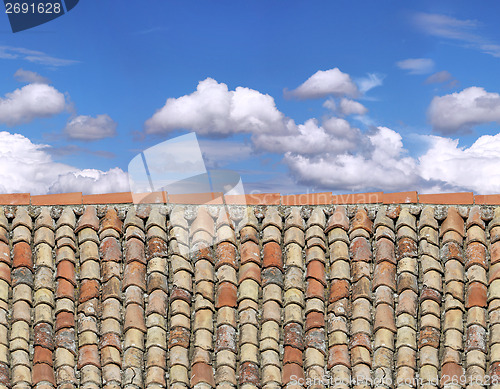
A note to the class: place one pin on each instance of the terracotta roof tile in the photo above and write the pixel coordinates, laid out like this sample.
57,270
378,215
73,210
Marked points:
307,199
108,198
359,198
447,198
254,199
43,372
15,199
487,199
400,197
196,198
57,199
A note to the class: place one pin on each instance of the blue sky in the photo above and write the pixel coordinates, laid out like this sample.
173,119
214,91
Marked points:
295,97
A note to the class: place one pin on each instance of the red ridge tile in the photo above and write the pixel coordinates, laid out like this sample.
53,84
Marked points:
400,197
447,198
359,198
212,198
307,199
75,198
493,199
15,199
254,199
150,198
108,198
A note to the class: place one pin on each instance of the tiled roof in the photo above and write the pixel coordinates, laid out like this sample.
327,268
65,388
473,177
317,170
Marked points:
116,296
324,198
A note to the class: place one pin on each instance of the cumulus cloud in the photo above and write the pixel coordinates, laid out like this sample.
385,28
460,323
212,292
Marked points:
30,77
350,107
455,168
334,135
331,153
214,110
324,83
88,128
460,111
416,65
381,163
345,107
30,102
28,167
91,181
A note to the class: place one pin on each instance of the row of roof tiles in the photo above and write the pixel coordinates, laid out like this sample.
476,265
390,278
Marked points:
324,198
111,303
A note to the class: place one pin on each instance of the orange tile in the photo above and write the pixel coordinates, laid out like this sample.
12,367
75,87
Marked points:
58,199
213,198
108,198
493,199
150,198
400,198
447,198
254,199
358,198
15,199
307,199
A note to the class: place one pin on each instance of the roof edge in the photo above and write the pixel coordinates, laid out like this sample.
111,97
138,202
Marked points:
322,198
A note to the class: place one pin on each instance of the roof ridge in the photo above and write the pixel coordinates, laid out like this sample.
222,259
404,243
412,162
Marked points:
217,198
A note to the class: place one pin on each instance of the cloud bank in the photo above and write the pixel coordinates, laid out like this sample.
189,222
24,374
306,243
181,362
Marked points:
28,167
333,154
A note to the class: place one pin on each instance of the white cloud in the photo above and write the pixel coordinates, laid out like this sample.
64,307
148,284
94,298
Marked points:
34,56
416,65
369,82
334,135
216,111
379,161
454,168
30,77
30,102
463,110
91,181
325,83
463,31
345,107
28,167
88,128
332,154
349,107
